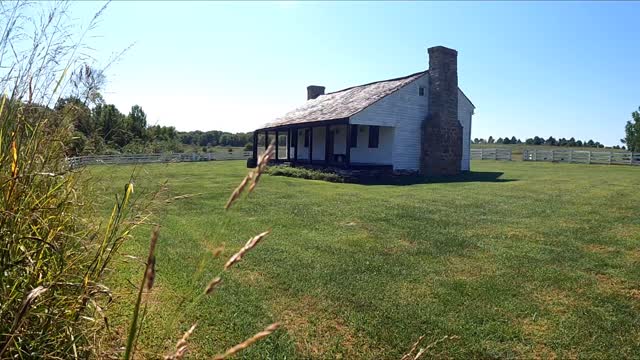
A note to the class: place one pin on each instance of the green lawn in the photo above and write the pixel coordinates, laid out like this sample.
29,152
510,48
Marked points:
540,261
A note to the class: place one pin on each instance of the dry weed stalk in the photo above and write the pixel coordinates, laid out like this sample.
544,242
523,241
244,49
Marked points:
181,345
151,259
212,285
409,355
245,344
24,309
253,176
237,257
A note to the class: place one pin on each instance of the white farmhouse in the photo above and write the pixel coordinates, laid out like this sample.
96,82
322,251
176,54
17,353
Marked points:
416,123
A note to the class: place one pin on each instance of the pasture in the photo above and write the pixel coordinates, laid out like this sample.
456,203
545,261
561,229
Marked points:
515,260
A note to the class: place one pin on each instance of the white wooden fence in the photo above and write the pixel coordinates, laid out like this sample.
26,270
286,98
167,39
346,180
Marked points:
491,154
582,157
156,158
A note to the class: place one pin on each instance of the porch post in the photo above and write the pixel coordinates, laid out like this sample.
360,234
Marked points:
347,153
311,145
295,147
288,144
266,139
327,128
277,133
255,145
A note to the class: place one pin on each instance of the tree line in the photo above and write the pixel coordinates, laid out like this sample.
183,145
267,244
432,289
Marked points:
101,128
550,141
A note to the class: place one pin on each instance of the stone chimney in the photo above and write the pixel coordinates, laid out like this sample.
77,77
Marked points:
313,91
441,132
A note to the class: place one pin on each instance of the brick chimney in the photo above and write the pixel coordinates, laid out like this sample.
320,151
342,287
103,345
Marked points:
441,132
313,91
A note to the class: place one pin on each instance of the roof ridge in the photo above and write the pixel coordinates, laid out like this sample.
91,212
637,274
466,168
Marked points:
379,81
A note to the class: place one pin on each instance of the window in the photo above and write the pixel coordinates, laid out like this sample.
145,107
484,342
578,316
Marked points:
374,136
421,91
306,138
354,136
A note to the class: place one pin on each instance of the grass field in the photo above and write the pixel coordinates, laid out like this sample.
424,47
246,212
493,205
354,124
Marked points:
516,259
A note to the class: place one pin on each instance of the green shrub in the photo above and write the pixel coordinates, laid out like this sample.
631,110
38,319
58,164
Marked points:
304,173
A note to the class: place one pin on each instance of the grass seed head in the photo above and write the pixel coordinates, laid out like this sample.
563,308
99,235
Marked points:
245,344
181,345
151,260
237,257
212,285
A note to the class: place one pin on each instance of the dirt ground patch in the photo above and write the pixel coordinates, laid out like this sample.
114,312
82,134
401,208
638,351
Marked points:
611,284
319,333
599,249
626,231
470,268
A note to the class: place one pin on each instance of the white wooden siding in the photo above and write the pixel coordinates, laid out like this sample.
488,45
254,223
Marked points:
382,155
465,113
404,110
339,139
318,144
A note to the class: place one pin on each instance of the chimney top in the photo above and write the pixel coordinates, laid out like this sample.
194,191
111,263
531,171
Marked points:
442,50
313,91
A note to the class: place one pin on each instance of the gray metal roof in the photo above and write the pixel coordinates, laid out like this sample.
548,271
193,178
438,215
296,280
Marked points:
344,103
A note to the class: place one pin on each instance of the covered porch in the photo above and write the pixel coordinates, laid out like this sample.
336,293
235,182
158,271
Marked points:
329,143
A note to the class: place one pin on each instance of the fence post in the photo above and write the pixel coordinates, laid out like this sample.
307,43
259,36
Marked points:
495,154
552,152
510,155
610,156
535,155
589,159
570,156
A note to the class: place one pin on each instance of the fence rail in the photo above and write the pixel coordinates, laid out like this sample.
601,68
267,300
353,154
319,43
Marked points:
155,158
582,156
491,154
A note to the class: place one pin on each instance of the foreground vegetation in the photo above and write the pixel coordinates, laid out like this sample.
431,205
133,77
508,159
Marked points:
541,260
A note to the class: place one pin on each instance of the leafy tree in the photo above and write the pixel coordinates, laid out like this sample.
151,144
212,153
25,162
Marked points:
513,140
550,141
490,140
137,122
632,132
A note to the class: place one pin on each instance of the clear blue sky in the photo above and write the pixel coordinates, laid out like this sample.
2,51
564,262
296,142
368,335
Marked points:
561,69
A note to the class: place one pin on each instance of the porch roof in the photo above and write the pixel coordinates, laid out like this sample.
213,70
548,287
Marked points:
342,104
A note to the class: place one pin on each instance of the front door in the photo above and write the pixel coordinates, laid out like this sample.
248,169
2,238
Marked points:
329,152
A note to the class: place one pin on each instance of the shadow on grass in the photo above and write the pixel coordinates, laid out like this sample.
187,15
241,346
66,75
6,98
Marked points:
470,176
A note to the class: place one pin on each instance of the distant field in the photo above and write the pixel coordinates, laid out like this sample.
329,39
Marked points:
529,260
